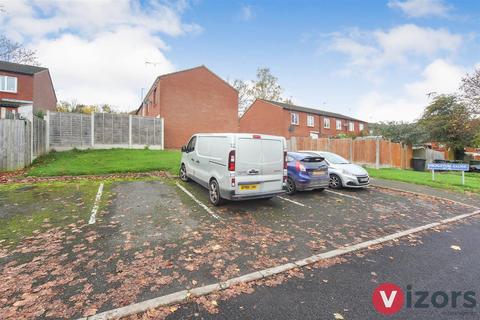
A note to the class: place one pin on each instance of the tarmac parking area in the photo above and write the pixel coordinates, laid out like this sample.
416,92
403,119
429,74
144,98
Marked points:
152,237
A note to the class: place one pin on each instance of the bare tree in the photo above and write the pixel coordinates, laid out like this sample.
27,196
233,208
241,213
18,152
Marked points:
470,88
12,51
265,86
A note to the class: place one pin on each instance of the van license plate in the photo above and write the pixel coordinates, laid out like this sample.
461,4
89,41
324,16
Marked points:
249,187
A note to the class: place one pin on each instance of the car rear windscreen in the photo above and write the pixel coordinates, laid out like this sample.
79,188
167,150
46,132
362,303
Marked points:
312,159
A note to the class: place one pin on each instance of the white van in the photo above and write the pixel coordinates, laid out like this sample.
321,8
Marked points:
236,166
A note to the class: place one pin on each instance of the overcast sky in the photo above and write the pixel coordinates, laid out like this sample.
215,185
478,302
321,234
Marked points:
375,60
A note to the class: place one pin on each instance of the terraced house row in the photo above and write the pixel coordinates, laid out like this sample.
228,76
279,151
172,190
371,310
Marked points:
197,100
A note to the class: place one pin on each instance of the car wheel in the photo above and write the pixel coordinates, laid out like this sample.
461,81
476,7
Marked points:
291,188
183,174
214,193
335,182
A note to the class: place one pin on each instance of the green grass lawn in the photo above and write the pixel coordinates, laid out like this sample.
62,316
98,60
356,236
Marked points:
92,162
443,180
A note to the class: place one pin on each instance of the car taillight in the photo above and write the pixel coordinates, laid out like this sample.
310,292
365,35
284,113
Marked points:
284,159
231,161
299,167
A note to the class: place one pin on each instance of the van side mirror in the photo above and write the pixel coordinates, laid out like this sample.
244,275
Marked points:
184,148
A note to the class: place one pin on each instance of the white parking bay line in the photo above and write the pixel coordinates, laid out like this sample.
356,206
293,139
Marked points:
93,216
344,195
292,201
210,211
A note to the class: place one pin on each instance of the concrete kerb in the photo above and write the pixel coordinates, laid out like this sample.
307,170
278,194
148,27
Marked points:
184,295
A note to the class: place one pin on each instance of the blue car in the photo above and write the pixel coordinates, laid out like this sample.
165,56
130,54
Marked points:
306,171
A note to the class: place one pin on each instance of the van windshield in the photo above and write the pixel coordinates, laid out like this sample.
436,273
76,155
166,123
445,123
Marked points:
334,158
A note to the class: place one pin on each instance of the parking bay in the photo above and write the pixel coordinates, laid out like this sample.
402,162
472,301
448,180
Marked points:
151,239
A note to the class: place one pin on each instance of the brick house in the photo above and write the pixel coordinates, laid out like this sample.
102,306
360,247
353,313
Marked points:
25,89
278,118
191,101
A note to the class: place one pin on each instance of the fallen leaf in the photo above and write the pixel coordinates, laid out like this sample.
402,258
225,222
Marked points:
454,247
338,316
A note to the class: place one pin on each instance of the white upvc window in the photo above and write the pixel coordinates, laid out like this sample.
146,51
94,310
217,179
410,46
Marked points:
314,134
339,124
294,118
351,126
310,121
326,123
361,127
8,84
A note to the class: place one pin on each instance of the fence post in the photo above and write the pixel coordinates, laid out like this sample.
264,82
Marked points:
47,132
31,139
92,129
162,123
3,113
351,150
377,153
130,130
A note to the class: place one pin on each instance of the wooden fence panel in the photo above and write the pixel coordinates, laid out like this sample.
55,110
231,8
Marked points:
365,151
14,144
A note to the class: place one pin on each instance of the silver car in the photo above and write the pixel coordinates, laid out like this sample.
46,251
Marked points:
342,172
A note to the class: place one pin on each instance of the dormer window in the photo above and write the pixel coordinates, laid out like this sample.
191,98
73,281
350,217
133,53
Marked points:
8,84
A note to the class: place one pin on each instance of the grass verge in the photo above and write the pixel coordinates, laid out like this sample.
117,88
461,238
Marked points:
95,162
443,180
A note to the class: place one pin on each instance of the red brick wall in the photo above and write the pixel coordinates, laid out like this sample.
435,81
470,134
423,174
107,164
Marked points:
332,131
24,87
193,101
300,130
44,97
263,117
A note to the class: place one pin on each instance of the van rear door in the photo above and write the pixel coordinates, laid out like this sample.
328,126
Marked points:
259,164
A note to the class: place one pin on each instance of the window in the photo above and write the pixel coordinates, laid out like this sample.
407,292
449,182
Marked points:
310,121
339,124
294,118
313,135
360,127
8,84
326,123
191,144
351,126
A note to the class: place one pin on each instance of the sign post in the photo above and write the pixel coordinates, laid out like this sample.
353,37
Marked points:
449,167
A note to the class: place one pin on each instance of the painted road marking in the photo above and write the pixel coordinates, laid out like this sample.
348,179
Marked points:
292,201
344,195
93,216
184,295
201,204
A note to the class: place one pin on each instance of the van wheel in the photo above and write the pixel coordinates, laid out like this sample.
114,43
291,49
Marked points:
291,188
214,193
335,182
183,174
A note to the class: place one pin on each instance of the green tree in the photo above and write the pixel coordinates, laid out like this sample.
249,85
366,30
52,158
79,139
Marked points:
450,121
399,131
